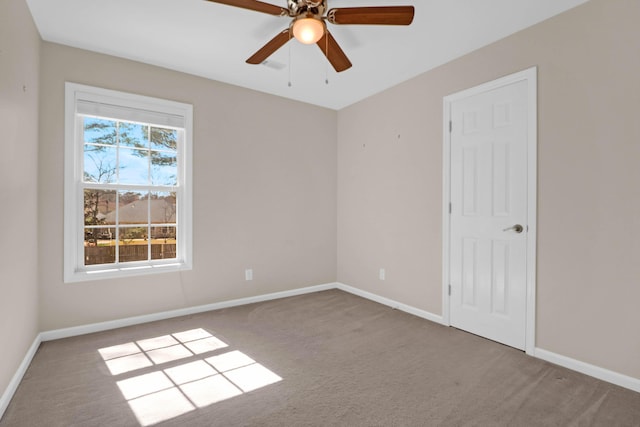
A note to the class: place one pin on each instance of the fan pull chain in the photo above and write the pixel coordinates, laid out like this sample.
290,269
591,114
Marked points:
326,50
289,84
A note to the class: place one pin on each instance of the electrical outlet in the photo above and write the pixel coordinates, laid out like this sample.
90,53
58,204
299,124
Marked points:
248,274
383,274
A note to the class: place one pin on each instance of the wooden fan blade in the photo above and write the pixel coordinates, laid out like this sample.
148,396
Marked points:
274,44
258,6
329,46
382,15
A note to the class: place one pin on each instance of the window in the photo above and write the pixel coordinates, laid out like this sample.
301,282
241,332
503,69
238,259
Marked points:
127,184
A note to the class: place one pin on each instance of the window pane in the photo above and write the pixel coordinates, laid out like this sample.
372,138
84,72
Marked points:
133,207
164,168
100,131
163,242
99,164
133,245
99,245
164,139
163,208
99,206
134,135
133,166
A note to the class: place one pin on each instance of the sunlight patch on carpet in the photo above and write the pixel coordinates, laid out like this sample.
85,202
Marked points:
202,380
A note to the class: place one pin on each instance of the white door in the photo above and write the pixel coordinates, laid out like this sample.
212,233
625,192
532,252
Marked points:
488,219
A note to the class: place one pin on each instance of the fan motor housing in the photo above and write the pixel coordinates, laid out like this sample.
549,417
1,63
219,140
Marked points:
307,7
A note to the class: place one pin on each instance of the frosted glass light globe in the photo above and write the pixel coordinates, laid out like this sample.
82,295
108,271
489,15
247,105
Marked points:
308,30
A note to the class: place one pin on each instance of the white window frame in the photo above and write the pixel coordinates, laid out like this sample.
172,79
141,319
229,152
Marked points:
128,107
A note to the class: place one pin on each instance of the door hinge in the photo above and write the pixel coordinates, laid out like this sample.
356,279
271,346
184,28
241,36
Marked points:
450,208
449,290
450,126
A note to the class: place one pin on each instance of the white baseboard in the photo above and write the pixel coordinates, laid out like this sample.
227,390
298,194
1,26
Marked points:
391,303
129,321
17,377
594,371
136,320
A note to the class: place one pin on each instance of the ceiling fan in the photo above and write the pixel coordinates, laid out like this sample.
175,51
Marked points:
308,24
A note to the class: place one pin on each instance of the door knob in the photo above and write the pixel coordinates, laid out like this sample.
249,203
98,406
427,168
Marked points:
517,228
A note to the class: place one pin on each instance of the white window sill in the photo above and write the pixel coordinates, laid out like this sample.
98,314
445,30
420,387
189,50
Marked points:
123,272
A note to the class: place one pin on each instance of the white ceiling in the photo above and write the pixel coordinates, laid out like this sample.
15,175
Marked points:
214,40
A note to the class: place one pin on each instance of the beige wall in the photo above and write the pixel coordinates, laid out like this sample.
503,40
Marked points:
390,179
19,56
264,193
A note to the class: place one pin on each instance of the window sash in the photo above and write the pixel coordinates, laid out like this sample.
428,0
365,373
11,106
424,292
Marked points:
118,225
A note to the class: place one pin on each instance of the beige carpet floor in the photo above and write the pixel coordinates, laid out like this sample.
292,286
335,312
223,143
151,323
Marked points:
323,359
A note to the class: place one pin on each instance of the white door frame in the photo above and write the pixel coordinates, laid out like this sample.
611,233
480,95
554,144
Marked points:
530,76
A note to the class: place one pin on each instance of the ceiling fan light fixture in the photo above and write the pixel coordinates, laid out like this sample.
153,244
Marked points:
309,26
308,30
